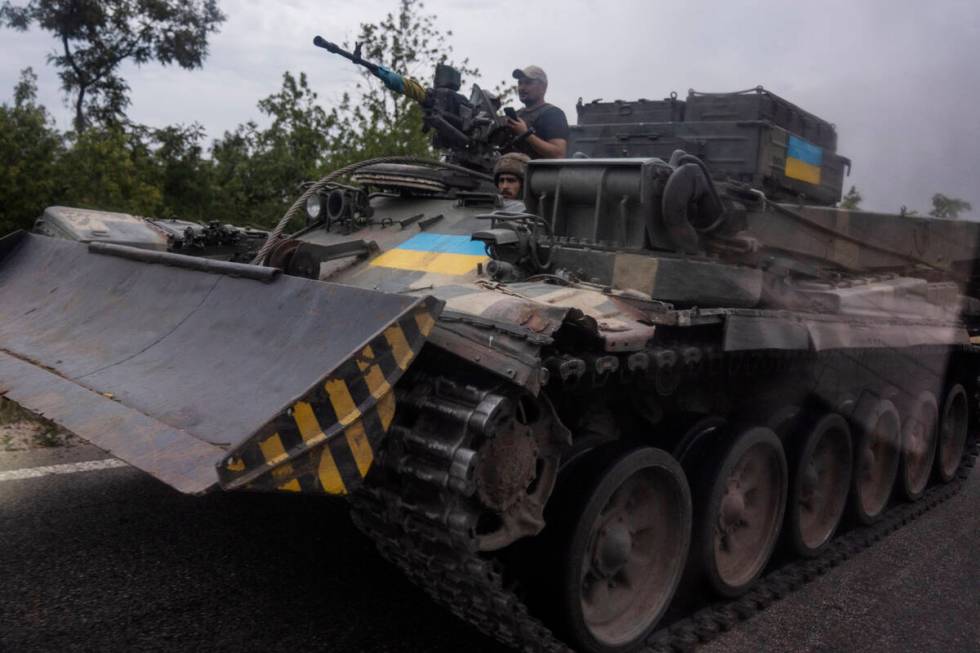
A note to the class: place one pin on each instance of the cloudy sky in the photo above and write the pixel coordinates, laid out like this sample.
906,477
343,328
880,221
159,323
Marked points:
899,78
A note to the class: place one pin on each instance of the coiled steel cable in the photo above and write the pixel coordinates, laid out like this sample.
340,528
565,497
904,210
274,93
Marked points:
273,238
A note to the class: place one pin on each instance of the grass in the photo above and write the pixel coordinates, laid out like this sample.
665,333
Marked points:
7,443
11,413
49,437
47,434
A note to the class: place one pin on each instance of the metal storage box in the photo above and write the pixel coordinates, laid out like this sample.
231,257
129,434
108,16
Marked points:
760,104
755,152
600,113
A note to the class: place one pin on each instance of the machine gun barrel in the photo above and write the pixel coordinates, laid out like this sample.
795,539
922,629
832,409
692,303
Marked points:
354,57
398,83
468,130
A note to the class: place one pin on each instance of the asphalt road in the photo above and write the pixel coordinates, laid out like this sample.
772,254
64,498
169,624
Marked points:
111,560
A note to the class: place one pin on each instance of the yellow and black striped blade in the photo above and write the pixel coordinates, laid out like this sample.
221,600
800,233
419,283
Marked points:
327,439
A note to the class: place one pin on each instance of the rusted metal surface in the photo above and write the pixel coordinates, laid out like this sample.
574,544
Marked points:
193,356
542,308
486,344
517,469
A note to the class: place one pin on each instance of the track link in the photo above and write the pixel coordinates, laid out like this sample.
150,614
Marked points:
415,521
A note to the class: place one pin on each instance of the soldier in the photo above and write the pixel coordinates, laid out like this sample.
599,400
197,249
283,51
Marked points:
508,175
541,129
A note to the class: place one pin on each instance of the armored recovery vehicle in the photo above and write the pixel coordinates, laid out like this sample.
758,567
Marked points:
563,423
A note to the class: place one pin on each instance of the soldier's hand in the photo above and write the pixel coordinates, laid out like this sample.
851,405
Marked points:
517,126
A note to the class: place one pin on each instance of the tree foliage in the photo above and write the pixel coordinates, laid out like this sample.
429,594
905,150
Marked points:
184,173
130,168
948,207
30,148
96,36
257,172
852,200
110,168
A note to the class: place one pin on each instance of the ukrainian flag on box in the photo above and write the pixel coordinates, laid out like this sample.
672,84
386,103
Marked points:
803,160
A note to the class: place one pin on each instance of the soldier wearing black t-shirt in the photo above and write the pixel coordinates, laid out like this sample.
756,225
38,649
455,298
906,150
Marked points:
541,129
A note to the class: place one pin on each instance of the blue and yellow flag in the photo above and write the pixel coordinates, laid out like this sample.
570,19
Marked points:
438,253
803,160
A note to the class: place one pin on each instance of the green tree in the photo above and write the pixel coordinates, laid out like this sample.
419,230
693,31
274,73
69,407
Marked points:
186,175
948,207
852,200
96,36
112,169
257,172
30,148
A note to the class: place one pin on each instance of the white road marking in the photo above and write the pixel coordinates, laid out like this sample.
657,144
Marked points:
69,468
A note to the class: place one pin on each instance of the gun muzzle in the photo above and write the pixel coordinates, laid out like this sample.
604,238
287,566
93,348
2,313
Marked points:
321,42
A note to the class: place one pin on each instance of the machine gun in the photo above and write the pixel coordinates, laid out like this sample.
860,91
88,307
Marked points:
469,130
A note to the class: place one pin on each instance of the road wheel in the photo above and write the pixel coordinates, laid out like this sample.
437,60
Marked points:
626,552
739,505
876,454
918,446
696,439
953,425
820,481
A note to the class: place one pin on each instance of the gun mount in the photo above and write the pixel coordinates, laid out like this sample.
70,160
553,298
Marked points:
468,130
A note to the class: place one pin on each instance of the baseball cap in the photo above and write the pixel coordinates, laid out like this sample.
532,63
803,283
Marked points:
531,72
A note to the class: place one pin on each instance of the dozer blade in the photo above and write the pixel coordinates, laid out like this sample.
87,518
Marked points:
202,372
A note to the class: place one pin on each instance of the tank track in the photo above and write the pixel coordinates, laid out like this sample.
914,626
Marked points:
422,537
423,540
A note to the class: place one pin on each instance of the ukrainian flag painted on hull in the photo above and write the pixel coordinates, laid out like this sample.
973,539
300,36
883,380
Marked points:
437,253
803,160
